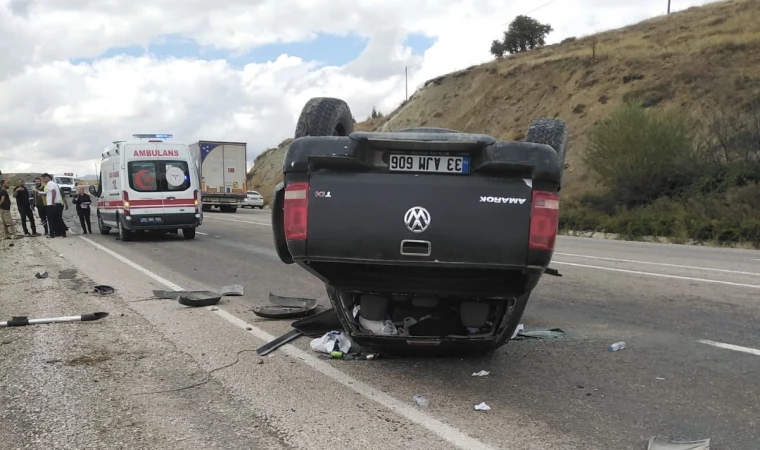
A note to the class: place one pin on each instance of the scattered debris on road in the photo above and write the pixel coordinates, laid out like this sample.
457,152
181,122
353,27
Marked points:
41,275
22,321
661,444
103,289
328,343
420,400
482,373
282,307
231,290
552,333
617,346
197,299
482,407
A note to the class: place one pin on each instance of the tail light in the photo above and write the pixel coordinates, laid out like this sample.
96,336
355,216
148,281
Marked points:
295,211
544,219
125,201
195,200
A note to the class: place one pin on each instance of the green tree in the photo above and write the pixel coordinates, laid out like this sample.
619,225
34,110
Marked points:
523,34
375,114
641,155
498,49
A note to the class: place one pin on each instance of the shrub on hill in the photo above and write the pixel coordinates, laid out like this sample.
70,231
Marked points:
665,176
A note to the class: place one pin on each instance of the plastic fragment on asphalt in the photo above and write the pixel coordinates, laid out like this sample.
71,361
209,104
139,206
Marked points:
520,328
232,290
662,444
617,346
482,373
482,407
420,400
41,275
553,333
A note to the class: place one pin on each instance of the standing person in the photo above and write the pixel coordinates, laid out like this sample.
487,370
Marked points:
9,229
24,206
39,203
54,207
82,201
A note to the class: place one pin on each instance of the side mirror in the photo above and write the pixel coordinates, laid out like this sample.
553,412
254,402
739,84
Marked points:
93,191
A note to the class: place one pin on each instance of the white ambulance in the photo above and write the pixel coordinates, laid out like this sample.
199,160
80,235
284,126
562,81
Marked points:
149,183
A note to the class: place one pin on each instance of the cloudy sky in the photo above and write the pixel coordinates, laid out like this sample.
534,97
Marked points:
78,74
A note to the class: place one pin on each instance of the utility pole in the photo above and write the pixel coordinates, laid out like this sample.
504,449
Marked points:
668,6
406,82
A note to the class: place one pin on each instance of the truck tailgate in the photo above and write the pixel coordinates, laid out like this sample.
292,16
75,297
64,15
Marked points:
473,219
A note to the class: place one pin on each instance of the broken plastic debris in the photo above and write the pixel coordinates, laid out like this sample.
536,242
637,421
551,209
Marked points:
286,307
420,400
329,342
232,289
482,407
617,346
553,333
41,275
662,444
482,373
103,289
520,328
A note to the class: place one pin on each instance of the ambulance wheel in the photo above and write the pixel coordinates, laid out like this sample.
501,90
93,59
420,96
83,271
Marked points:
102,227
124,234
188,233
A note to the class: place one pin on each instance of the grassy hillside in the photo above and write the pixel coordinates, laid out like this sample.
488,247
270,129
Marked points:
700,64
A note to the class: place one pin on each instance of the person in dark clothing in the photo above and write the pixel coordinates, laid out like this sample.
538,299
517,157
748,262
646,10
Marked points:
25,208
83,201
9,230
39,202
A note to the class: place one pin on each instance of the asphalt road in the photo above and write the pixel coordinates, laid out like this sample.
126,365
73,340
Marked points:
674,306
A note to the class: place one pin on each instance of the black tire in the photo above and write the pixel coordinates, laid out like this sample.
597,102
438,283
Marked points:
552,132
102,227
233,209
124,234
188,233
325,116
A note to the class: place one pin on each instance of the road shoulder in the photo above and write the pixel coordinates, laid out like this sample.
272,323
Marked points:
74,385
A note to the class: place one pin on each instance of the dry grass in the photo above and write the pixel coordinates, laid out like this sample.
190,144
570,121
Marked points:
686,60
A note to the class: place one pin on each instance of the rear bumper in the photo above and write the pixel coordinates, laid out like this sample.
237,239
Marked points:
143,222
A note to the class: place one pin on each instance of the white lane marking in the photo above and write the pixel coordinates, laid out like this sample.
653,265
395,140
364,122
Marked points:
133,265
661,275
751,351
201,233
447,432
238,220
658,264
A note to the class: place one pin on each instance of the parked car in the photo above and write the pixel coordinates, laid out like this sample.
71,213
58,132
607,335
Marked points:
253,200
425,238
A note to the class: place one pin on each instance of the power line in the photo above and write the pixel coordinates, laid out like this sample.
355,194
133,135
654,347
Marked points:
534,9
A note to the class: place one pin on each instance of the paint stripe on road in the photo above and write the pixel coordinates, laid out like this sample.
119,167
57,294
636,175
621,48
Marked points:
238,220
660,275
738,348
679,266
446,432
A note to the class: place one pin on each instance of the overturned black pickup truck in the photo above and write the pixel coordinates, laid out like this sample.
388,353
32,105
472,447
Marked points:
426,238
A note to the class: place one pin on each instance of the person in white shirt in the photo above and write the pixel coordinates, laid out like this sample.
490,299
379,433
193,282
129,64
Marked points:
54,207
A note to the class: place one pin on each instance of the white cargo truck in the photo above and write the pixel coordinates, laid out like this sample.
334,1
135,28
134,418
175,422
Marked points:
222,173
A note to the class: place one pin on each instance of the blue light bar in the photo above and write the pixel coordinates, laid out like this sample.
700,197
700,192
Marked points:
154,136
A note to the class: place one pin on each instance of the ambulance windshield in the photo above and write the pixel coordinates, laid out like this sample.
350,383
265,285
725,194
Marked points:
158,176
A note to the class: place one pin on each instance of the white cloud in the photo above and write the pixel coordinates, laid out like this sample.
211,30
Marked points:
63,114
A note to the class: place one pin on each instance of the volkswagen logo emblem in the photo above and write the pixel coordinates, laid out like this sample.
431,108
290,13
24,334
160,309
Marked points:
417,219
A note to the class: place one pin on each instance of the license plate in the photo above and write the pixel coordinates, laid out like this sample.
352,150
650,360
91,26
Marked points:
150,220
432,164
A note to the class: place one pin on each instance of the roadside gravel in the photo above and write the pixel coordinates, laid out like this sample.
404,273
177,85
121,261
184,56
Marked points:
73,385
